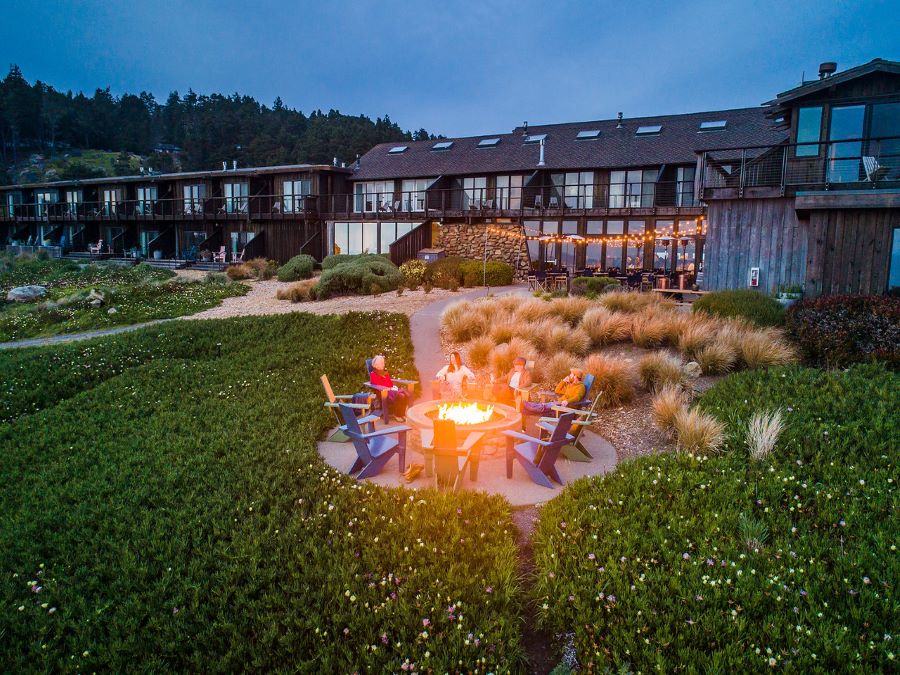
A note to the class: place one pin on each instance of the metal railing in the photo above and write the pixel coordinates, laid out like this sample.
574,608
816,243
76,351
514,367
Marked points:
824,165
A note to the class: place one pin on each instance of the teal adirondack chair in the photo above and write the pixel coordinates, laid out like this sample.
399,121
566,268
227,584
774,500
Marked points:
574,449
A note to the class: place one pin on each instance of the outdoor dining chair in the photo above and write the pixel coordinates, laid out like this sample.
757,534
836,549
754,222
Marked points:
445,458
373,449
573,449
383,391
536,455
366,420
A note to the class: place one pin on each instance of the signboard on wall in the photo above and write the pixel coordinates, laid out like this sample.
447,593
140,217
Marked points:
754,277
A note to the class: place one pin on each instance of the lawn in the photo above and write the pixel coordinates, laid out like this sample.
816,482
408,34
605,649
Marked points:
727,563
165,509
131,295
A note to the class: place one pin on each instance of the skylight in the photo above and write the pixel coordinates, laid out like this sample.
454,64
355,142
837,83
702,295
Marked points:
587,135
649,130
535,138
715,125
397,149
488,142
443,145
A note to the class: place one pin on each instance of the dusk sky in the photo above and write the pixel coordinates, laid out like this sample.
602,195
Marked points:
456,68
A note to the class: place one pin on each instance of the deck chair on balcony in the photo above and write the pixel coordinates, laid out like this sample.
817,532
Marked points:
554,203
573,449
445,458
373,449
536,455
382,392
96,249
874,170
221,255
538,202
361,404
276,207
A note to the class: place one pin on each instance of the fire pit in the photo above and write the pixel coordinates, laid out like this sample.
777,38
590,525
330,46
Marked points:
469,416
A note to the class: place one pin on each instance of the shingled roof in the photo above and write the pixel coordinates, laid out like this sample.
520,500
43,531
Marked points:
678,142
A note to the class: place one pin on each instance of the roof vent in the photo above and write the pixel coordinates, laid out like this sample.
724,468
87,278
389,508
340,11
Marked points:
541,158
827,69
619,125
525,128
357,161
535,138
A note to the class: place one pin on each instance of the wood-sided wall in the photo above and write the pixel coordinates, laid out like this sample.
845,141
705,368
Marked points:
745,233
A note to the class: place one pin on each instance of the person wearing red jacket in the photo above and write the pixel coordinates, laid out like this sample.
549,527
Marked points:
397,399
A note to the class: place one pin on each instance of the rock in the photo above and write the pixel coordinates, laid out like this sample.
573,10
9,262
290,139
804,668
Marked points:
96,298
692,369
112,310
26,293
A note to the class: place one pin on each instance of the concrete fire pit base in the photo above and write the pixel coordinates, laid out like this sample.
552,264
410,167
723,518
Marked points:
519,490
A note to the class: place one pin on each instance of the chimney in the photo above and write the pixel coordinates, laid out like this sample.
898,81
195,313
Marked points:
525,128
343,165
334,162
827,69
541,160
357,162
224,166
234,165
619,124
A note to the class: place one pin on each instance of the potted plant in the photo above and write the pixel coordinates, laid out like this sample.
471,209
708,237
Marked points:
788,295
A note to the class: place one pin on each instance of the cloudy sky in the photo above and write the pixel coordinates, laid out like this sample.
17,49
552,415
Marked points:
457,68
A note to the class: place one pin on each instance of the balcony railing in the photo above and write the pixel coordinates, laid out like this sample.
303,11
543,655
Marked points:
827,165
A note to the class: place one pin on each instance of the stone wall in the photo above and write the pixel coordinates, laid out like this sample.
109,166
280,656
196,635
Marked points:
505,242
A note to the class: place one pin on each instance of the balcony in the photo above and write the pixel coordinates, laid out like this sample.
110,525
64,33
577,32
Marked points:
854,173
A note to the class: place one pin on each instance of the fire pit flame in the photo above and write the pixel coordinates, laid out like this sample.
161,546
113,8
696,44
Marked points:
465,413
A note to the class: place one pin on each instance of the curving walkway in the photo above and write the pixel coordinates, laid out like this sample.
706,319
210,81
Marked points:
73,337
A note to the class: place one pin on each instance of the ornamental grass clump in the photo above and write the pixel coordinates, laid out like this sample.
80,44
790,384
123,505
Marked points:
239,272
538,333
604,327
501,360
626,301
558,366
697,432
763,431
716,358
463,323
613,379
502,330
659,369
648,331
532,310
479,351
696,333
571,309
302,291
567,339
764,349
667,404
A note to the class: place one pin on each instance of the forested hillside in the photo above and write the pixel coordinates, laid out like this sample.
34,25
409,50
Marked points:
209,129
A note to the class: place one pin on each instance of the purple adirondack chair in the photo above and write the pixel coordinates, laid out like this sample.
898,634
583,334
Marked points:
373,449
538,457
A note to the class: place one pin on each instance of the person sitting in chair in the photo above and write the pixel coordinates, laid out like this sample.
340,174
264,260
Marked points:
397,400
569,390
505,390
454,373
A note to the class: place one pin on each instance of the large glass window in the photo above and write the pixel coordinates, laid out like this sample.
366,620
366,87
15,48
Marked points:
74,198
146,237
574,190
635,188
685,255
474,191
295,192
146,200
809,130
413,197
568,254
684,187
374,196
593,252
532,230
13,199
844,157
894,276
236,197
110,202
369,237
509,192
193,198
886,122
42,201
550,229
634,254
615,246
662,249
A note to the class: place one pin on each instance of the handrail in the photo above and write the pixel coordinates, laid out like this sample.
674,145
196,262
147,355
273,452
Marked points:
408,246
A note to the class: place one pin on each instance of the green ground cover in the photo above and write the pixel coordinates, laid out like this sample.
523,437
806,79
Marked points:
729,564
754,306
132,295
164,509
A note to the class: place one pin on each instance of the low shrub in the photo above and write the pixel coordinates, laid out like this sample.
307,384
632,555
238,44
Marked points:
341,258
413,272
697,432
604,327
445,273
613,379
754,306
238,272
362,275
659,369
302,291
297,268
595,285
263,269
836,331
493,273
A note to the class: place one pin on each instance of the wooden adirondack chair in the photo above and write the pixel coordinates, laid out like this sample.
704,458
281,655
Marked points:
221,255
366,419
383,391
373,449
445,458
573,449
538,456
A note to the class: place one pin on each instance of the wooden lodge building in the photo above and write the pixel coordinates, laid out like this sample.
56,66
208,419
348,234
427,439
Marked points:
802,191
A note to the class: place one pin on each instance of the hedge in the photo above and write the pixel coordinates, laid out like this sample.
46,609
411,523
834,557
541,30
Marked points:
297,268
363,275
445,272
597,285
492,273
839,330
751,305
341,258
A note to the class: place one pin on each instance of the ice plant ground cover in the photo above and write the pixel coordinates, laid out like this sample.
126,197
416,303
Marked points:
165,509
131,295
726,563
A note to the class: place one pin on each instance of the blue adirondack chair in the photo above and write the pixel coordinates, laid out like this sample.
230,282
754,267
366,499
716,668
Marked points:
537,456
573,449
383,391
588,382
362,408
373,449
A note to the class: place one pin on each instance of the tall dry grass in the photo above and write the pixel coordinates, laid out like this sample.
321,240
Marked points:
604,327
626,301
696,333
538,333
532,310
698,432
463,322
567,339
571,309
659,369
668,402
613,379
718,357
763,432
558,366
649,330
301,291
479,351
765,349
503,330
501,359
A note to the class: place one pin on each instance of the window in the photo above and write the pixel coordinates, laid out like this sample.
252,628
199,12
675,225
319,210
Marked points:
715,125
74,198
413,193
147,236
239,241
684,186
474,191
367,237
488,142
593,252
236,197
894,275
576,189
634,188
634,253
663,240
42,201
845,155
13,199
193,198
146,200
551,248
885,122
294,193
809,130
614,249
374,196
443,145
509,192
110,202
568,253
397,149
685,251
535,138
649,130
587,135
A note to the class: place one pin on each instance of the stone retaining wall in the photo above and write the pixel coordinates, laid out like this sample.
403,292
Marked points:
505,242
